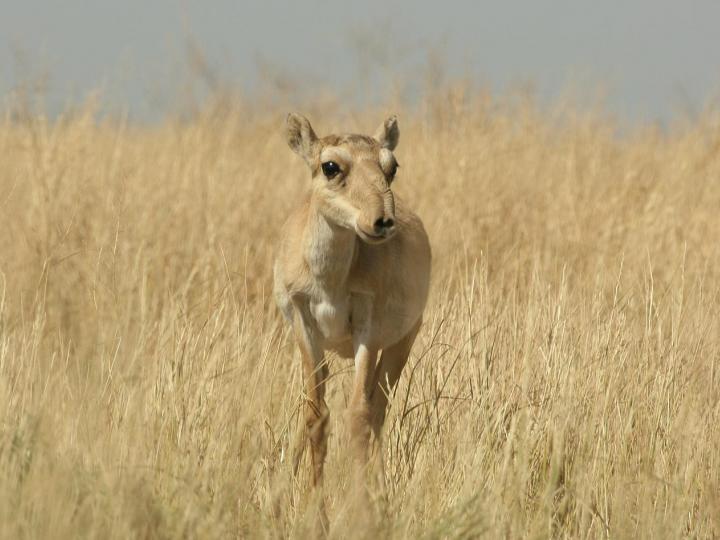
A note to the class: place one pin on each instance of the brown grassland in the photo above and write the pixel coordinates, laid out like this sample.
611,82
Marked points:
566,382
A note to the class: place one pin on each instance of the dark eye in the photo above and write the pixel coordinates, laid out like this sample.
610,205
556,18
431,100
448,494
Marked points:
330,169
393,170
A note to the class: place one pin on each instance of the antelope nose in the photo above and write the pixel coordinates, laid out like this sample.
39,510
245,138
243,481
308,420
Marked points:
383,225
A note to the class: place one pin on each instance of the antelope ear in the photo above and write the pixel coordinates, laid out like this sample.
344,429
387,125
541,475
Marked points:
300,136
388,133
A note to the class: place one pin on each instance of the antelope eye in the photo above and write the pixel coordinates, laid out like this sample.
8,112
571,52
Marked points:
393,170
330,169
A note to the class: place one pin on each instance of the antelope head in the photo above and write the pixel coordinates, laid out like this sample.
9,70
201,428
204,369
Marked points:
351,176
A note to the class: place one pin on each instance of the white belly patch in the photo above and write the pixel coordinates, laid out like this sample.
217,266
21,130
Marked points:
332,318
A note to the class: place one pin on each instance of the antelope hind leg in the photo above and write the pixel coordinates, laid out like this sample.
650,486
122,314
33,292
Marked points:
392,362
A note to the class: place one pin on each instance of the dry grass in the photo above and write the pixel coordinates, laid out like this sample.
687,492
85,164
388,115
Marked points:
565,383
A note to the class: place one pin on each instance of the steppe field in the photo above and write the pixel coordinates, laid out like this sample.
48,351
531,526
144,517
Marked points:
565,384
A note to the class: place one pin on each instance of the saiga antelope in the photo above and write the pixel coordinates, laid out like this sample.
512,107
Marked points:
352,275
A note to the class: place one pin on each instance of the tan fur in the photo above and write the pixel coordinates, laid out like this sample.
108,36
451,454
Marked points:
352,275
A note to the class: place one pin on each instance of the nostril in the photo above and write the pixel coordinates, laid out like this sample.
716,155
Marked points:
382,225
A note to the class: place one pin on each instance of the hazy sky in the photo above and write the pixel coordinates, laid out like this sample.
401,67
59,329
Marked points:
650,58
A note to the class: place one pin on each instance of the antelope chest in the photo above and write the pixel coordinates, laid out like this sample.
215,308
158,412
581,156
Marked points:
332,317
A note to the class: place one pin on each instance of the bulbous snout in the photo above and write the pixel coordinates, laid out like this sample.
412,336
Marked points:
377,223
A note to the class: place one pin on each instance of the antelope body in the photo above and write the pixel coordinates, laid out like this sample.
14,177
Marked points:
352,275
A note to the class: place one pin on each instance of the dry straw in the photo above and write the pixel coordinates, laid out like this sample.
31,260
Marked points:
565,383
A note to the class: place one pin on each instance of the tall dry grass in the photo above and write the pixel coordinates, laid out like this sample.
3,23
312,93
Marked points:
565,383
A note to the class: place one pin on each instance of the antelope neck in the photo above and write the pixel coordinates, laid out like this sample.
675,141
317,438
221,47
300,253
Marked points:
330,250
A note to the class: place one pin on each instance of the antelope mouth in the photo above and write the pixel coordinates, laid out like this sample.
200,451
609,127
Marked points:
372,238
